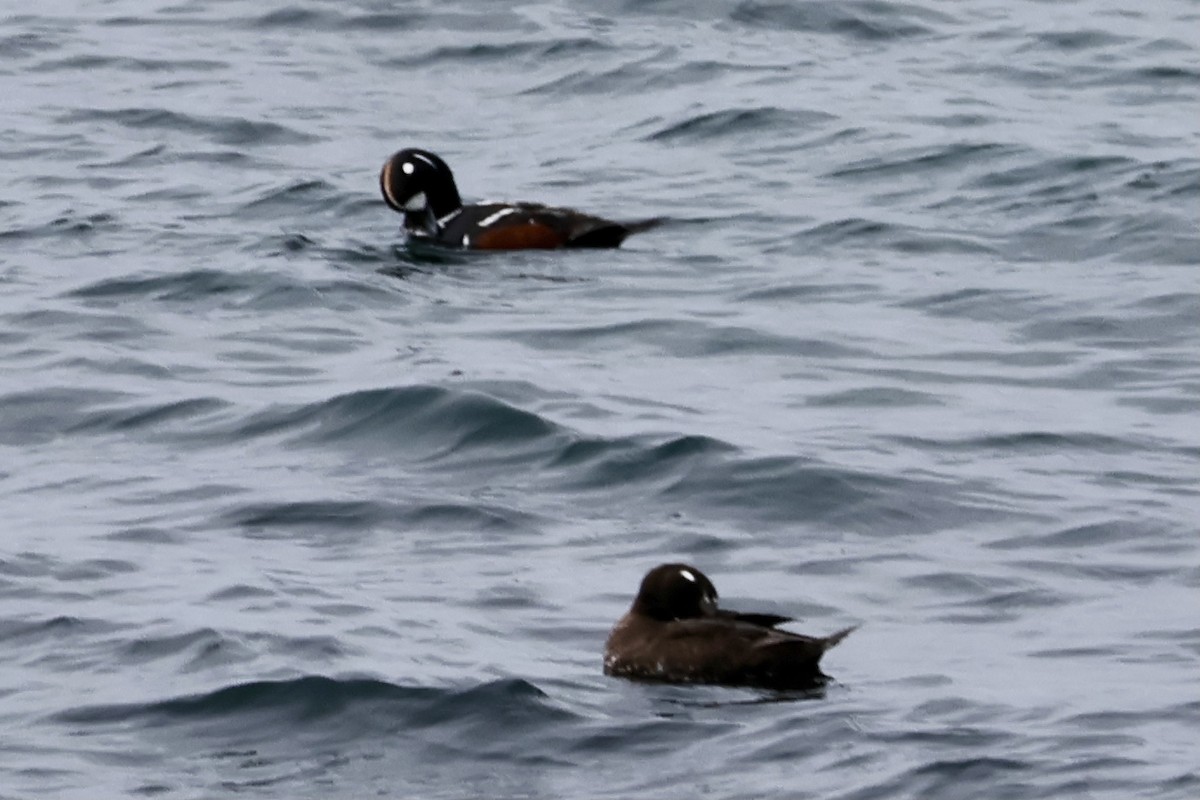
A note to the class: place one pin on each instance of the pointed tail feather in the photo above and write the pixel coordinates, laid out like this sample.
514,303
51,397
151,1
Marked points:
833,639
609,234
639,225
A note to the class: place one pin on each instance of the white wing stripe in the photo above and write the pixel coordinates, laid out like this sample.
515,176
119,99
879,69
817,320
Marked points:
491,218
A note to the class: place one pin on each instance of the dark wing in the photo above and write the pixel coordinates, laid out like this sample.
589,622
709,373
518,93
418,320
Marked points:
765,620
576,229
753,655
585,230
799,648
711,650
596,232
724,627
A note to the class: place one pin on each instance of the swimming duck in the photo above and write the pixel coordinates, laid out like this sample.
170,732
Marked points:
420,185
674,632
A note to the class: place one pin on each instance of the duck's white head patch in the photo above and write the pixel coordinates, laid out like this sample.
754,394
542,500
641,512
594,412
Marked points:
407,168
687,575
416,202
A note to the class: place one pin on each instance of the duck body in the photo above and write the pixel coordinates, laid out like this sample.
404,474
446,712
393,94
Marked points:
674,632
420,185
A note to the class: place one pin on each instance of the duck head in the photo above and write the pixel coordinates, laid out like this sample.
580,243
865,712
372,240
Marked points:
676,591
419,185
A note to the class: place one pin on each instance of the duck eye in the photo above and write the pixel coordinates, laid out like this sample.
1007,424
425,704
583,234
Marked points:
407,168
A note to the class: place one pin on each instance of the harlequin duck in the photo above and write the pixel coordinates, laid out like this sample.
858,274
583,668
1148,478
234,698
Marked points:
421,186
675,633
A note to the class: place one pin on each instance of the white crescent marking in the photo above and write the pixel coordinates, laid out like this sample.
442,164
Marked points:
385,181
688,575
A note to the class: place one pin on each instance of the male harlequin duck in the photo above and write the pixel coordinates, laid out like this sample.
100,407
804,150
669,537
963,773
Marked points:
421,186
674,632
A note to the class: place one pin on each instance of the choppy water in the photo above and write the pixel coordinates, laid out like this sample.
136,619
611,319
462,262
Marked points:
290,511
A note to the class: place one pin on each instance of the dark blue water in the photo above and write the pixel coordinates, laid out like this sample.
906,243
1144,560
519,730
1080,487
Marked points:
292,511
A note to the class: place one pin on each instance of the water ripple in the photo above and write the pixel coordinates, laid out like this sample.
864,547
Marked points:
232,131
293,506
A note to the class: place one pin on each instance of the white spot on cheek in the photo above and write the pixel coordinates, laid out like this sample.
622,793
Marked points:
687,574
407,168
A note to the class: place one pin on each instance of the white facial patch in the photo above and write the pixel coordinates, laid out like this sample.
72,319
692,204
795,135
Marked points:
491,218
687,574
425,159
407,168
416,202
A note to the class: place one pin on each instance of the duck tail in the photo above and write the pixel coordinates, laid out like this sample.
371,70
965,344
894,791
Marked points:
833,639
602,233
639,225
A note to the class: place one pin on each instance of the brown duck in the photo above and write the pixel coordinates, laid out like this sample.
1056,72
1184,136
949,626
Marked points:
675,633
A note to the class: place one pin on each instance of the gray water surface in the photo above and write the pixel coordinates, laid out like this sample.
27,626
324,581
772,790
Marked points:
290,510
